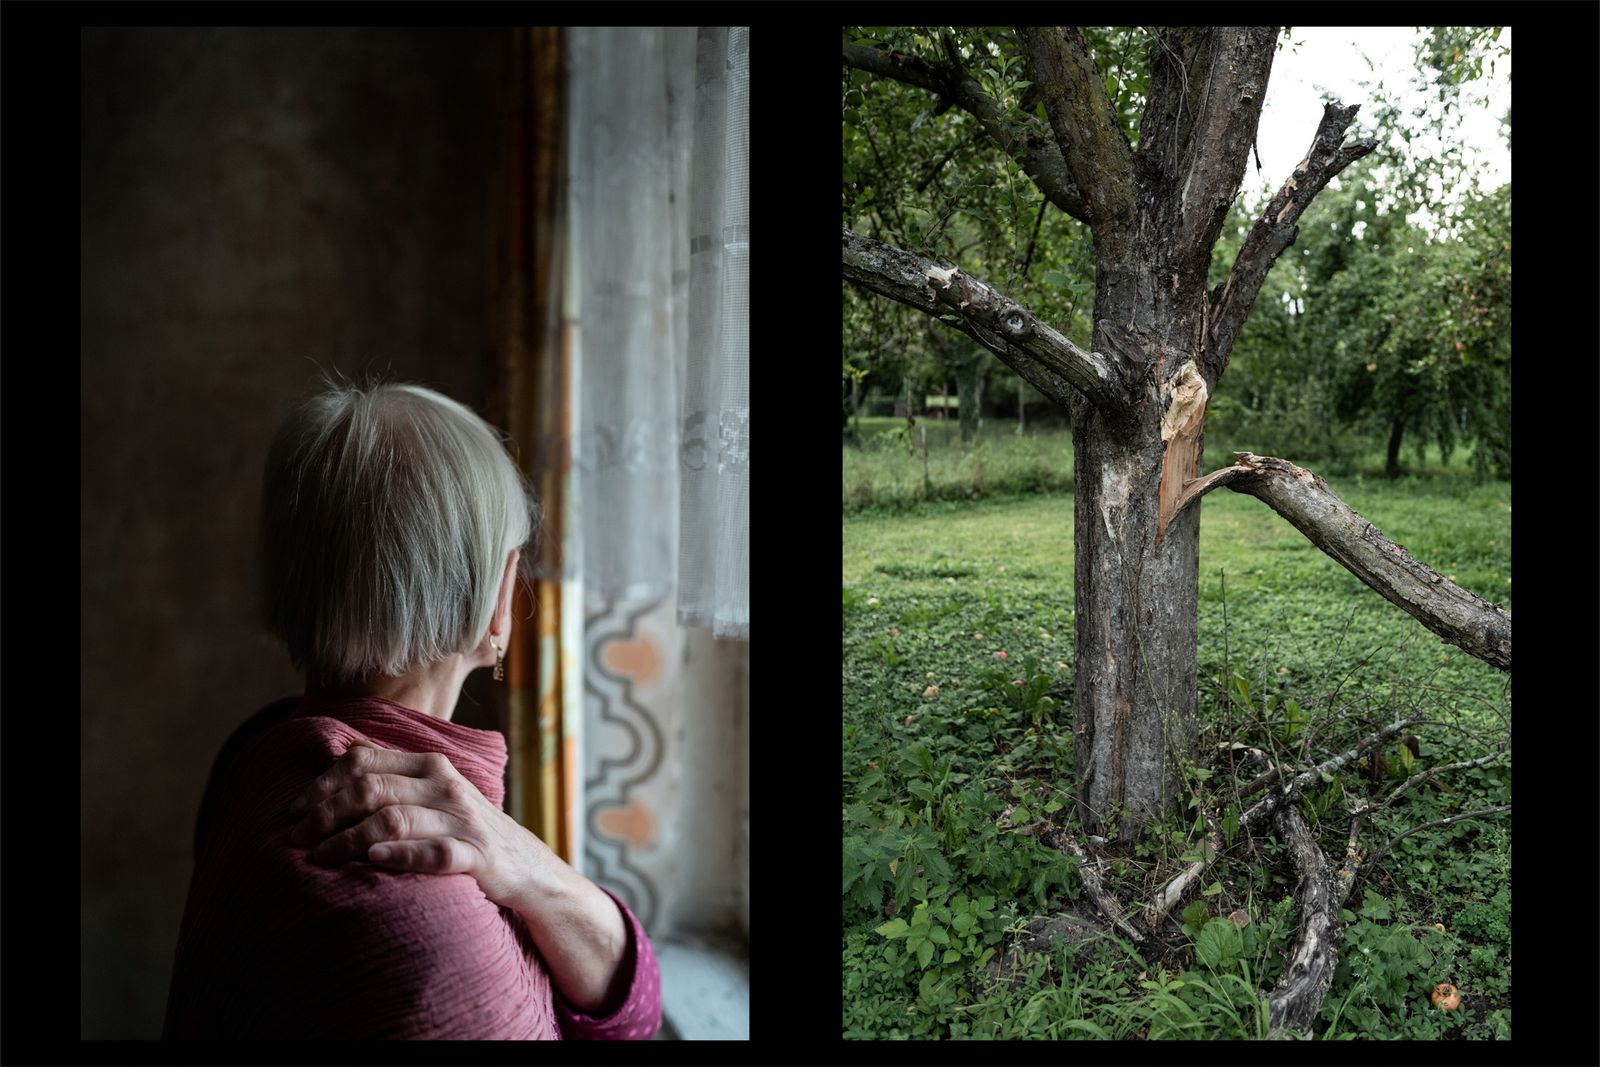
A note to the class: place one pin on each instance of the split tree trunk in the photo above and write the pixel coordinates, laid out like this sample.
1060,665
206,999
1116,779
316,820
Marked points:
1134,687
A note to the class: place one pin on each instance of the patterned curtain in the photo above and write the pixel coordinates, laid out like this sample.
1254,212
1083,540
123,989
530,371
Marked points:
656,311
622,377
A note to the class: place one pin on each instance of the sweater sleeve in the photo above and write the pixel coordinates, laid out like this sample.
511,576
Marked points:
639,1015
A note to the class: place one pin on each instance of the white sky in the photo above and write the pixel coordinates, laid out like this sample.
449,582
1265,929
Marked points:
1332,58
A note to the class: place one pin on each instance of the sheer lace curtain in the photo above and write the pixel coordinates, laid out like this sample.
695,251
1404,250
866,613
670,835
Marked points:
656,314
658,144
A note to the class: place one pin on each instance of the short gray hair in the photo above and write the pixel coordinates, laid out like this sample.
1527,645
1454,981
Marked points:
387,513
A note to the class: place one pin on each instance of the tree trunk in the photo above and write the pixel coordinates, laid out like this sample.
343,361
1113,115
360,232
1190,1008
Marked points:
1397,431
855,408
1137,580
967,396
977,400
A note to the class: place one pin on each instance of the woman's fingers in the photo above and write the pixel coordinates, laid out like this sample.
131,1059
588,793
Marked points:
362,761
359,798
438,855
398,822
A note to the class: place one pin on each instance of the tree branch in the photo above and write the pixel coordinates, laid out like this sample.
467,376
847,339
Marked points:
1090,137
1045,359
1383,849
1215,145
1308,968
1089,875
1164,901
1428,775
1275,230
1038,156
1465,620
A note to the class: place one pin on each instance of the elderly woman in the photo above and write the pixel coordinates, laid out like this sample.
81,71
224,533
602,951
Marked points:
354,873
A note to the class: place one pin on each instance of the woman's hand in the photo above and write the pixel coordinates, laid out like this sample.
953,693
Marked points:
414,812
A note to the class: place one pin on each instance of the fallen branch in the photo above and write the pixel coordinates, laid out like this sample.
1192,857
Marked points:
1465,620
1383,849
1089,875
1167,899
1308,970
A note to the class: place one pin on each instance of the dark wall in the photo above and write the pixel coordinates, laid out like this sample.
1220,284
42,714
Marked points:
258,205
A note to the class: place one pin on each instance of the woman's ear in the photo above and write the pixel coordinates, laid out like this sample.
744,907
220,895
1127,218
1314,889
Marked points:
508,588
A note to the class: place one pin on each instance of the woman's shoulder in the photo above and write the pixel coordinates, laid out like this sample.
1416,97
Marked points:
270,746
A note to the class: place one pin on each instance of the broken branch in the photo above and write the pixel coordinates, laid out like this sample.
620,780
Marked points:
1275,230
1089,875
1462,618
1383,849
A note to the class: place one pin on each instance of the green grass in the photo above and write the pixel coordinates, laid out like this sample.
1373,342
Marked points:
886,471
939,744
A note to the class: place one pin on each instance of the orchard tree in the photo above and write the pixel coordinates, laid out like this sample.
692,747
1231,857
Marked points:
1151,164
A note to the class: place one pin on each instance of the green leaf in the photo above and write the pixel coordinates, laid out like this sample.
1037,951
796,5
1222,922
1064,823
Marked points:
1219,943
939,936
925,953
894,928
1212,890
1375,907
951,955
1057,278
1053,804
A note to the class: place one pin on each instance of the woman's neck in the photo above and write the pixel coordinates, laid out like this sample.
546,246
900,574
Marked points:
432,690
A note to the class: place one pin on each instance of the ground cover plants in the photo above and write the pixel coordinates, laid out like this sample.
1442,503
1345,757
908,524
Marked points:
958,773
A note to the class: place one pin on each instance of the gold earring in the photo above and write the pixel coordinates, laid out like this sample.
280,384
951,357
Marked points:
499,660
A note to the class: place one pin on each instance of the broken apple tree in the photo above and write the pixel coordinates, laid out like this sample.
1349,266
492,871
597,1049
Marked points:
1137,394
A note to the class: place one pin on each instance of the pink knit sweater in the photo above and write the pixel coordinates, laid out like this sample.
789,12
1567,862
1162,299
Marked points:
274,946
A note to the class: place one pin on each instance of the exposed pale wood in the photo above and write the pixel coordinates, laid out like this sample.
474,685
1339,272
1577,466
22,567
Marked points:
1177,887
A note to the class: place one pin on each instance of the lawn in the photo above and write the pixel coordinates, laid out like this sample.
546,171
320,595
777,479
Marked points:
958,631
